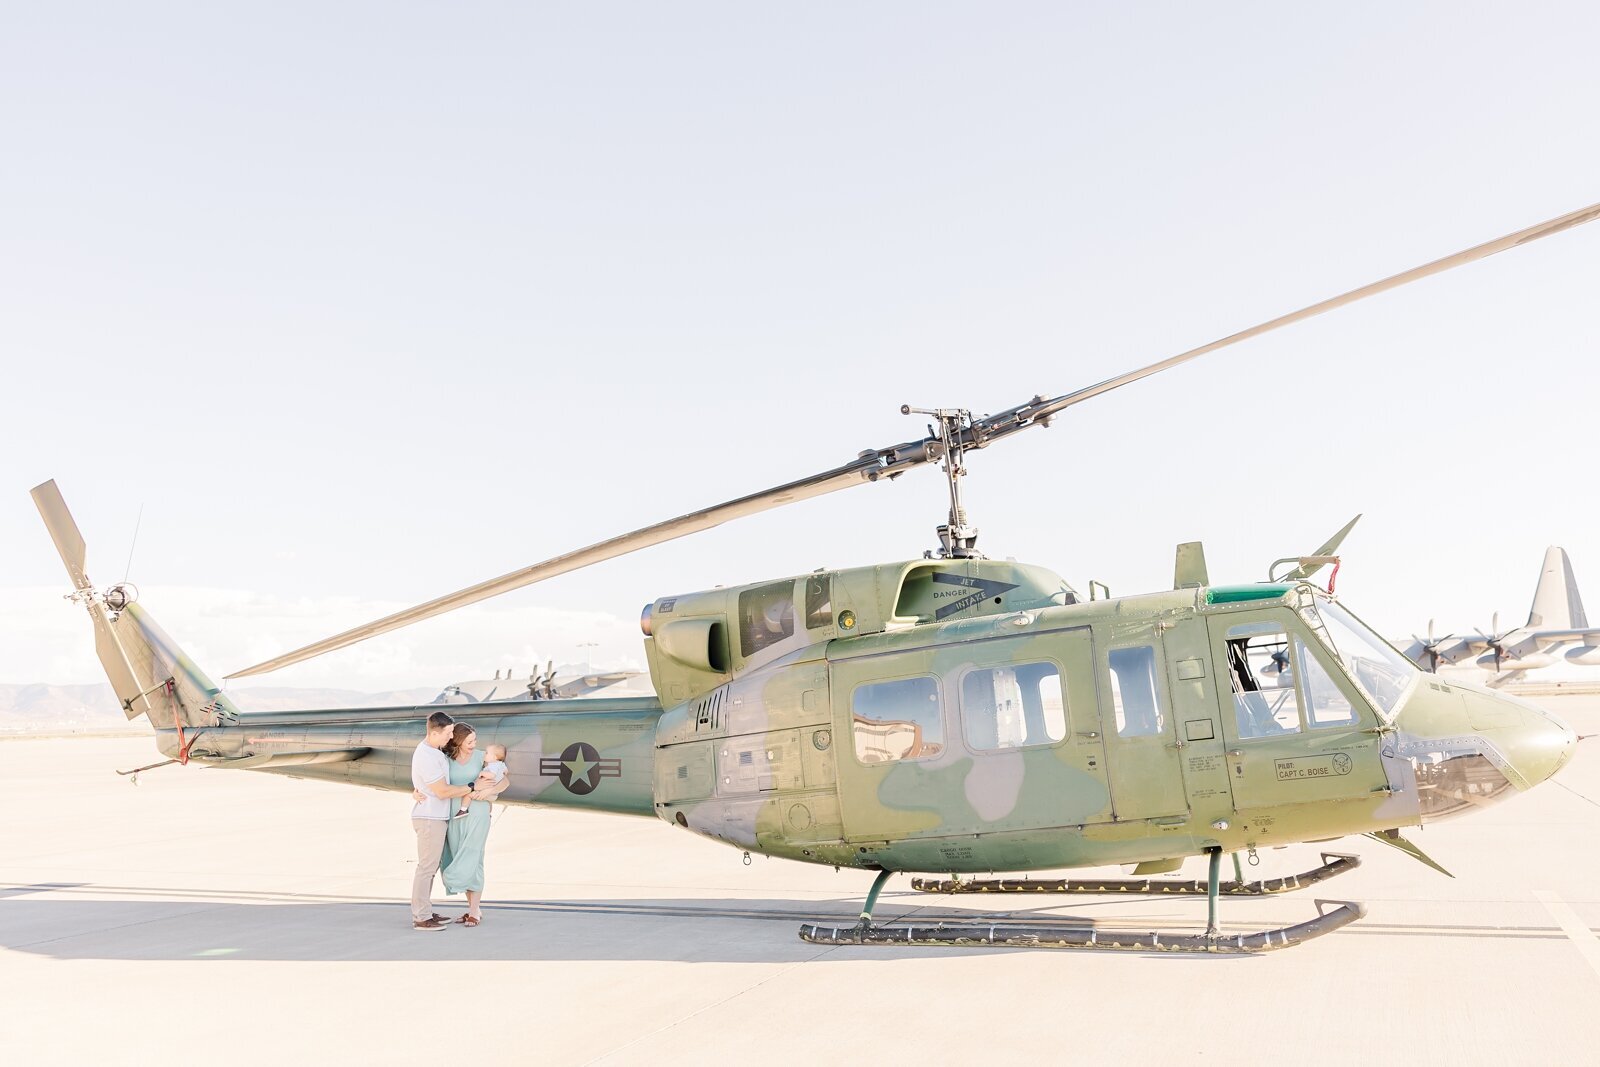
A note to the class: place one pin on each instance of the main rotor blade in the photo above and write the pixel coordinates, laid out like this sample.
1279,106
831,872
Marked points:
869,466
886,462
1028,414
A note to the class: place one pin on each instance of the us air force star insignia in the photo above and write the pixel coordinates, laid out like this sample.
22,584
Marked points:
580,768
968,592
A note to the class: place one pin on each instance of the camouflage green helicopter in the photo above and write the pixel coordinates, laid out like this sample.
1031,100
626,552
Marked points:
952,715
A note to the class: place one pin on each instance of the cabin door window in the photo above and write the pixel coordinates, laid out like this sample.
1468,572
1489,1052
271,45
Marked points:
1146,774
1135,694
1014,706
897,720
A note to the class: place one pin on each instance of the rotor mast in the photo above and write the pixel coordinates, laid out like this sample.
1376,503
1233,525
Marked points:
952,428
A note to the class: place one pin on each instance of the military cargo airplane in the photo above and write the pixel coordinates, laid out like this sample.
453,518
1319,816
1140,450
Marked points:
1556,619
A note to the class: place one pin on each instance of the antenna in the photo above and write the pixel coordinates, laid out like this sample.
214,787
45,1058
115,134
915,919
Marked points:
952,428
133,545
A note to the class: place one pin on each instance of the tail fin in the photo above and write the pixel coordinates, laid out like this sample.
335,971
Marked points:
1556,603
149,673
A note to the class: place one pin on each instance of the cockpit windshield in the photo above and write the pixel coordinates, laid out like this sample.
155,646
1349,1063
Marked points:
1382,673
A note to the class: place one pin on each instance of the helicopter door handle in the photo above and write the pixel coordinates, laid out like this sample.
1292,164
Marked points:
1237,753
1089,734
1178,744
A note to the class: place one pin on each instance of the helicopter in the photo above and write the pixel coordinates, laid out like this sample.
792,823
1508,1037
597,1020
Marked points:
944,715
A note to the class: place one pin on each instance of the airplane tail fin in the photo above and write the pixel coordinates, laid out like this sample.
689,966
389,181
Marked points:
1556,603
150,674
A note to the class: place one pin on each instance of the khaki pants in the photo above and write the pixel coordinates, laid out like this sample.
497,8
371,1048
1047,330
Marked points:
430,845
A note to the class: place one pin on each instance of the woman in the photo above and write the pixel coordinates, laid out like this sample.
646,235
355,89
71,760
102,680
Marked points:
465,837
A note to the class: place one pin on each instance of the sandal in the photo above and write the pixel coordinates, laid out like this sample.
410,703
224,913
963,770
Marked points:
470,920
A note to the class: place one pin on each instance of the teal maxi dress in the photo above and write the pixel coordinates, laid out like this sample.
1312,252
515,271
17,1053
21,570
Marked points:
462,863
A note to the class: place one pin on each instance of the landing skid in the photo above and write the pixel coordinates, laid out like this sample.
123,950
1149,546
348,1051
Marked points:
1331,915
1333,863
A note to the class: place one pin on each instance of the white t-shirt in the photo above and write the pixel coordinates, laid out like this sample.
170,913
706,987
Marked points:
429,764
497,769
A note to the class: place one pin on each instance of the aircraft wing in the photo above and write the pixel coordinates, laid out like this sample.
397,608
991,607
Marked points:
1505,679
1475,644
1562,637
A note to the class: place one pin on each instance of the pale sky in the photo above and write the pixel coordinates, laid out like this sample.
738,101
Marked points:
367,302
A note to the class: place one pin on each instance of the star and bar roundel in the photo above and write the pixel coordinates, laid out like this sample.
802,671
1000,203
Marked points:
580,768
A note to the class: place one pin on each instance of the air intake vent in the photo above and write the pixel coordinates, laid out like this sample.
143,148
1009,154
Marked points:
708,711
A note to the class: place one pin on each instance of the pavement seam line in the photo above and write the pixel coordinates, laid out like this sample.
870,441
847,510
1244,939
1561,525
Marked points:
695,1014
1581,936
108,929
1580,796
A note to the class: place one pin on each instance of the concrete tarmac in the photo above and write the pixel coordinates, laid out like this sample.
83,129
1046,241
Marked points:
228,916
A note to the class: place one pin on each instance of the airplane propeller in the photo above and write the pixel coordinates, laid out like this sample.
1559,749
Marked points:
539,686
955,433
1495,639
1431,647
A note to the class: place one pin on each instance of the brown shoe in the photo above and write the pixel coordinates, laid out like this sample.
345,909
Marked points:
428,924
470,920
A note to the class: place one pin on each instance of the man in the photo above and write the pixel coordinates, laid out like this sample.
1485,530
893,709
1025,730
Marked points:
430,776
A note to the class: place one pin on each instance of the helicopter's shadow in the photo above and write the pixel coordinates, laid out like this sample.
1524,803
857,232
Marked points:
285,927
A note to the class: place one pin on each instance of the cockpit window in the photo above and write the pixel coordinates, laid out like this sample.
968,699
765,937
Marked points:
1450,785
1326,704
1260,666
1382,673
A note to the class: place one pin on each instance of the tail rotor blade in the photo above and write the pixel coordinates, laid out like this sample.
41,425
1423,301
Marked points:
63,531
69,543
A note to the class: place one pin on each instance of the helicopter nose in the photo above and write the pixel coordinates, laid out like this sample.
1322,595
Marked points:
1472,747
1535,743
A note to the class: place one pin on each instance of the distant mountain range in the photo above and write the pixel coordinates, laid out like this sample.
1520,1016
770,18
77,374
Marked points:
85,708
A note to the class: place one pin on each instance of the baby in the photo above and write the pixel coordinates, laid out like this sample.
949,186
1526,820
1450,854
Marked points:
494,772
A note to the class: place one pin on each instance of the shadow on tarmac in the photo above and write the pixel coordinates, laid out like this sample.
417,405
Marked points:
48,920
283,927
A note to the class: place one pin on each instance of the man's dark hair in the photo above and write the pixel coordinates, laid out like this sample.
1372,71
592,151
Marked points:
439,719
